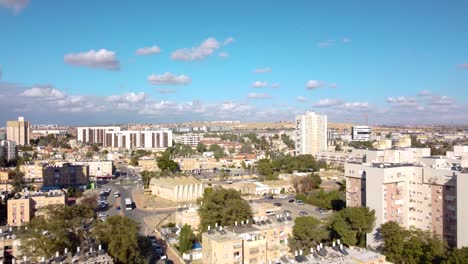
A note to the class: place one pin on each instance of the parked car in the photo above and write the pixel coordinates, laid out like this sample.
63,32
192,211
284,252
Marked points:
299,202
292,201
303,213
277,204
286,211
116,194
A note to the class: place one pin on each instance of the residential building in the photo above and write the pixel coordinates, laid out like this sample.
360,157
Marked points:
429,198
187,139
311,133
98,169
114,137
178,189
33,171
188,217
262,242
18,131
65,175
361,133
94,135
21,209
8,150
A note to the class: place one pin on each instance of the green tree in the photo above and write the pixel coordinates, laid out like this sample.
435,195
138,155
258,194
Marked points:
186,239
264,167
217,150
133,161
393,237
223,206
357,221
329,200
47,235
307,232
457,256
89,154
201,147
120,236
17,180
166,164
246,148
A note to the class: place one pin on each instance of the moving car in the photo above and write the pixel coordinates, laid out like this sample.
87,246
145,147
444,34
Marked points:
303,213
116,194
292,201
299,202
277,204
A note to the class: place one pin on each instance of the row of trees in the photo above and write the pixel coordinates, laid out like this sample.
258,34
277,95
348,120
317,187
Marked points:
350,225
288,164
76,226
335,199
416,246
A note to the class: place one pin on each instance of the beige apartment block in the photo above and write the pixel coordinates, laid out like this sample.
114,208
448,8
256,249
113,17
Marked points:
177,189
21,210
311,133
188,217
33,171
18,131
247,243
411,195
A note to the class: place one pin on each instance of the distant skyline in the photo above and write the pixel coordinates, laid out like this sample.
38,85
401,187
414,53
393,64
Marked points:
102,62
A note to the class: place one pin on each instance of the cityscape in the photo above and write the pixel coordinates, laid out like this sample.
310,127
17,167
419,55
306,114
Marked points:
256,132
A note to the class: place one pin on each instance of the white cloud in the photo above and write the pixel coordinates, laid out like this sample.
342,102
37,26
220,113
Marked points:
169,79
166,91
402,101
228,41
301,99
15,5
259,84
262,70
200,52
258,96
328,103
356,105
148,50
128,98
102,58
425,93
313,84
326,43
223,54
441,100
274,85
45,92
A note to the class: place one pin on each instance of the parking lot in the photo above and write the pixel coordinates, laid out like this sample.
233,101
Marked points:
295,209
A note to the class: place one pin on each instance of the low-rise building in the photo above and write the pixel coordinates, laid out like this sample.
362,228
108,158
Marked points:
262,242
21,209
188,217
65,175
178,189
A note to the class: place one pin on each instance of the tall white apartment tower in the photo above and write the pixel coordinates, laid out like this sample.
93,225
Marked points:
311,133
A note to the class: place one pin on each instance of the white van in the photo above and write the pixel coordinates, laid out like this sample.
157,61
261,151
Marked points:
299,202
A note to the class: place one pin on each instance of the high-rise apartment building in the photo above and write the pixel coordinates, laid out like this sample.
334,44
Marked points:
187,139
8,150
361,133
18,131
413,195
311,133
113,137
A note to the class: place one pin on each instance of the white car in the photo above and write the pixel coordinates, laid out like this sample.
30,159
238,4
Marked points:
116,194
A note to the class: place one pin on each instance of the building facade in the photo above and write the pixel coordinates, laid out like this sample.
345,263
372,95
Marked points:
178,189
8,150
20,210
411,195
18,131
113,137
311,133
65,175
187,139
247,243
361,133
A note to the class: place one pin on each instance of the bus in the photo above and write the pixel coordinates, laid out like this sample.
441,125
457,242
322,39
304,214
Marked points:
128,204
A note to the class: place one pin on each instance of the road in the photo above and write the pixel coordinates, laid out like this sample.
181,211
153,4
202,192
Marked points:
125,185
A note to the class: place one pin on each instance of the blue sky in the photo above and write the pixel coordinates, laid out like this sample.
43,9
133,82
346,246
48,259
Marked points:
399,62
